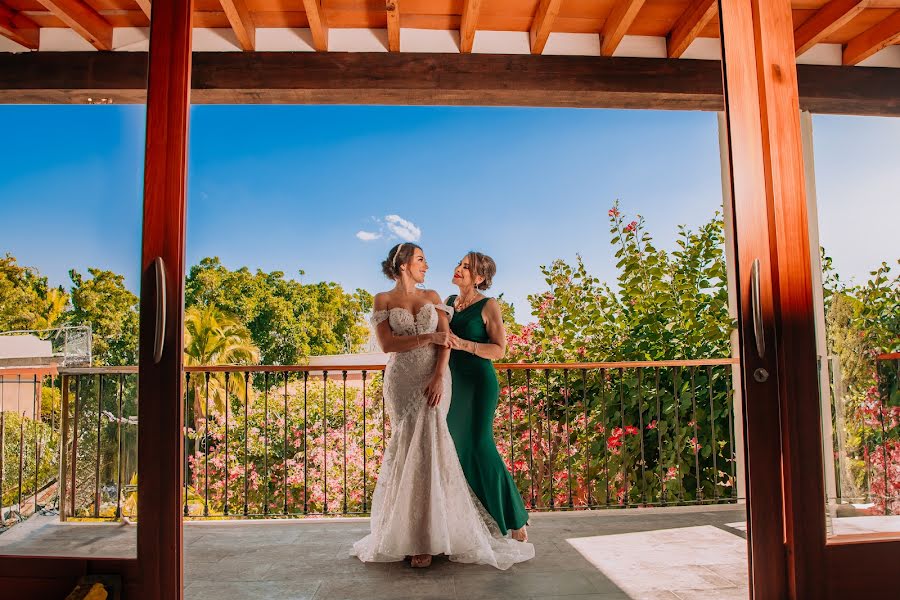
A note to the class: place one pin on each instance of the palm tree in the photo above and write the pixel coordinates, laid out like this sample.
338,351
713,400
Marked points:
212,337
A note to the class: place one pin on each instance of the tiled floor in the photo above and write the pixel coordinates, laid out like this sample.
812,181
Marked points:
673,553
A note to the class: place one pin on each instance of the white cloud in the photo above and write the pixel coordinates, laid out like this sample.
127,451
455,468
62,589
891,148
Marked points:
368,236
403,229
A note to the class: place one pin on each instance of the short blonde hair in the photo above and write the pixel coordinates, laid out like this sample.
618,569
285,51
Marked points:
482,265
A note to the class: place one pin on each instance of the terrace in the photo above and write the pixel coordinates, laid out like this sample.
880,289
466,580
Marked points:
281,462
641,497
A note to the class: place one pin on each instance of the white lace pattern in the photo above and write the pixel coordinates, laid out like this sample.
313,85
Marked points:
422,503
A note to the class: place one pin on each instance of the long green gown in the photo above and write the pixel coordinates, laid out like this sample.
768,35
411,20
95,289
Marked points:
471,422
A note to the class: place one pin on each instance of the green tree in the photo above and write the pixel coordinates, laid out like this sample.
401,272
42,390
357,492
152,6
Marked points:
27,301
212,337
288,320
104,303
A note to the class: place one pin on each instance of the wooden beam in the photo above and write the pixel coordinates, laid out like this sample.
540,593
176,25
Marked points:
542,24
317,24
617,24
144,5
241,23
83,19
19,28
423,79
393,24
873,40
469,23
826,21
692,21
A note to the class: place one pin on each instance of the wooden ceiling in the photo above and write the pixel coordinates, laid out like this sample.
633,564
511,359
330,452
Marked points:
862,27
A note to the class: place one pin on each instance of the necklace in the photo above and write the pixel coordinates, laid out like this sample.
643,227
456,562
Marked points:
461,304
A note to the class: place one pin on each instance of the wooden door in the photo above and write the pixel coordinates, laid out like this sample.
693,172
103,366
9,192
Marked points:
790,554
156,572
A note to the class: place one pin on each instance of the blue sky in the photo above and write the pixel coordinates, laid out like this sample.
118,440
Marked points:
289,188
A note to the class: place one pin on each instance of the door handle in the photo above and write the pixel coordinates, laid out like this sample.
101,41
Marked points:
756,306
159,337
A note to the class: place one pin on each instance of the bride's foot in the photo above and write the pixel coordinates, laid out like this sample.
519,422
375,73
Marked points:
421,561
520,535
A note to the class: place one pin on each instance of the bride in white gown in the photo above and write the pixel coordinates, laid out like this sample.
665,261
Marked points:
422,505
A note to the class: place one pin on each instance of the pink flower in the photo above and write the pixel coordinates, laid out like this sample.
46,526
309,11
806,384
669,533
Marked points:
652,424
631,430
581,351
613,212
631,226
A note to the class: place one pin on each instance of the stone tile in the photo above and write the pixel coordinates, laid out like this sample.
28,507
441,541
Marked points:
622,596
412,586
484,586
736,573
231,568
742,593
244,590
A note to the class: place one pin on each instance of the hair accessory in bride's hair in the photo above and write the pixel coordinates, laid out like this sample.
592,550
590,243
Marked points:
396,254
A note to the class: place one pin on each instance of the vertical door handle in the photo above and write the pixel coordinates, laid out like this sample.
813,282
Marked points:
159,337
756,305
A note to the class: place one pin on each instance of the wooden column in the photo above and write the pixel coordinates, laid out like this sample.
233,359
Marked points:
784,440
160,380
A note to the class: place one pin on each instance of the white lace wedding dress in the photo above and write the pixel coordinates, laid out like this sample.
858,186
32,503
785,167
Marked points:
422,503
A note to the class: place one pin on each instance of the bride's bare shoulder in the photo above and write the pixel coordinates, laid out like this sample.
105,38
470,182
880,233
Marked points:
381,301
433,297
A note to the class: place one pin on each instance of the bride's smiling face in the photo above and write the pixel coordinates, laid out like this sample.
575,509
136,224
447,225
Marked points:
417,266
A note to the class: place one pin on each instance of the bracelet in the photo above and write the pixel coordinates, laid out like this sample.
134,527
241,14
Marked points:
417,339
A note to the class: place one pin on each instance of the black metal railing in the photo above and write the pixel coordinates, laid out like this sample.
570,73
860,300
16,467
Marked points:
267,441
29,440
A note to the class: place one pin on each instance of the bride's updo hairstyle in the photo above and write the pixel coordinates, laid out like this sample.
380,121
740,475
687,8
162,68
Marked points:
398,256
482,265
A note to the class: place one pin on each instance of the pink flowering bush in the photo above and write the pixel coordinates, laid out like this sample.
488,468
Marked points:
624,436
317,459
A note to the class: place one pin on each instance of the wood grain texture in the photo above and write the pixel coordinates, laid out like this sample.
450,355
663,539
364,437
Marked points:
543,24
749,192
873,40
392,7
468,25
617,25
144,5
160,418
826,21
241,23
19,28
422,79
79,16
318,24
688,27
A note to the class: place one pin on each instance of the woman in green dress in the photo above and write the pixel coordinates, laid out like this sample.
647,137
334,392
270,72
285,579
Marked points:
477,338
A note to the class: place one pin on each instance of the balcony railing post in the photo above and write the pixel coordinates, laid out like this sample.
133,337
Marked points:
640,406
325,441
586,444
365,481
285,446
74,491
266,442
120,445
344,423
99,389
187,426
226,394
712,430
